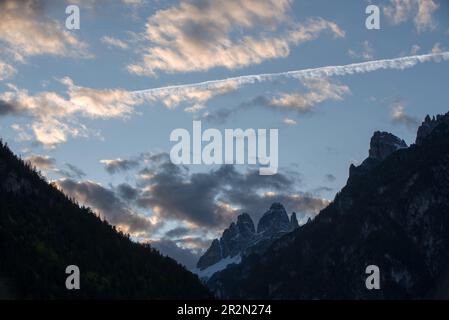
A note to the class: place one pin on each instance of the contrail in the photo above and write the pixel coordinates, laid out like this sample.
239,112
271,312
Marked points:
320,72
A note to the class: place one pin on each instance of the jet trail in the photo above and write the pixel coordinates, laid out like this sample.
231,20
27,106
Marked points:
320,72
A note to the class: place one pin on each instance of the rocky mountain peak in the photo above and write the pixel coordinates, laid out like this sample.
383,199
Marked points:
383,144
274,220
245,223
240,238
294,221
233,241
211,256
393,211
277,206
428,125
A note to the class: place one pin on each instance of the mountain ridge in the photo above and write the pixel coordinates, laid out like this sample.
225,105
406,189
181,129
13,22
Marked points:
42,231
241,238
393,213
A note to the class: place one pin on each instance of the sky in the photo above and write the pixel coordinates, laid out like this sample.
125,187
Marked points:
93,108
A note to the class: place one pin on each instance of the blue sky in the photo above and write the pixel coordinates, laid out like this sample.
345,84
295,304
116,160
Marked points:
67,104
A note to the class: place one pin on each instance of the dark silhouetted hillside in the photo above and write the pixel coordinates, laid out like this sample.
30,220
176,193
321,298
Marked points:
393,213
42,232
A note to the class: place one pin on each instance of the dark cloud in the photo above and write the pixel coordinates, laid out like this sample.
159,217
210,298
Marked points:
8,108
212,199
222,115
48,164
174,194
177,232
330,177
257,204
70,171
196,243
132,163
74,172
41,162
127,192
107,203
319,190
120,165
219,116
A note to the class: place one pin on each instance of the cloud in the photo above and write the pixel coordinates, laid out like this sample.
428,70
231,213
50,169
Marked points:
100,103
400,63
437,48
320,90
315,79
41,162
6,70
367,52
94,4
399,116
55,116
199,35
220,115
415,49
127,192
131,163
7,108
119,165
424,19
212,199
196,96
48,164
177,232
399,11
289,122
70,171
114,42
330,177
133,2
107,204
20,132
26,30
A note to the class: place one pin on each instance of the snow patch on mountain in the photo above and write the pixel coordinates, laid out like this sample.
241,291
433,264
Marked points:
220,265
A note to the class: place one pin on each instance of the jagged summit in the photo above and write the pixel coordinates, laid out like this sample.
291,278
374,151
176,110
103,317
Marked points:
428,125
383,144
274,220
277,206
294,221
245,223
241,238
233,241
